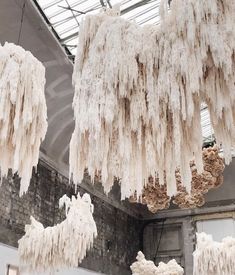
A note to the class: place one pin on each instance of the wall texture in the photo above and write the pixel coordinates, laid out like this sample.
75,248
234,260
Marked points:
118,233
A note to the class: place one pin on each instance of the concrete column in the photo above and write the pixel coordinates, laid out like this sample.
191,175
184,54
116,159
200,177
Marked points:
189,241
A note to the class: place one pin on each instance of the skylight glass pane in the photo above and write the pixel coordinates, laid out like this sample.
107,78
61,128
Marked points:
74,51
61,18
127,4
143,11
72,42
71,28
207,130
86,5
44,3
55,10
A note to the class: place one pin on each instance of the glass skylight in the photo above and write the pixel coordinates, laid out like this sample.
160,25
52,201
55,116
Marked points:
207,130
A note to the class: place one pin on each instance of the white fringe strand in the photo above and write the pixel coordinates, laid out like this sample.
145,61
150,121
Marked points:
214,258
23,112
63,245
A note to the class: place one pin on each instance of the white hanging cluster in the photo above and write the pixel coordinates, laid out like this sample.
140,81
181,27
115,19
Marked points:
144,267
63,245
155,195
23,111
138,93
214,258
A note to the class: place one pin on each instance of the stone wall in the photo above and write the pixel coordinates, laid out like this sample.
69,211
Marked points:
118,233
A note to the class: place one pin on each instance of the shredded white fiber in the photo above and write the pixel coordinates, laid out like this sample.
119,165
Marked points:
23,111
139,90
155,195
63,245
214,258
144,267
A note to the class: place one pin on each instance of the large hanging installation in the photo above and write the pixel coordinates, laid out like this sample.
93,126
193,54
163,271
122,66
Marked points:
214,258
144,267
23,111
139,90
155,195
63,245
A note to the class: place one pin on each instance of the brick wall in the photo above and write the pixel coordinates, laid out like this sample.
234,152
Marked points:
118,233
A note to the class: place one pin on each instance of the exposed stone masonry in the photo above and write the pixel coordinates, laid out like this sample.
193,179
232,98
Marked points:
118,233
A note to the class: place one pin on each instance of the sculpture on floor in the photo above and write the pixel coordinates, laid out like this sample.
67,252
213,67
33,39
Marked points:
63,245
23,112
144,267
137,101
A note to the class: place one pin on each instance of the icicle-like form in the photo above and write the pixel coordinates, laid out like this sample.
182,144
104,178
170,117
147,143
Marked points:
144,267
23,111
63,245
139,90
155,195
214,258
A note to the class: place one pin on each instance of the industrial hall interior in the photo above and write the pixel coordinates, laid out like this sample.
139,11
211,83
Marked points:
117,137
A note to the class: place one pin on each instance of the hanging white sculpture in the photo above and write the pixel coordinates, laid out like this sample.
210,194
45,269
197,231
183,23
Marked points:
63,245
138,94
155,195
214,258
23,112
144,267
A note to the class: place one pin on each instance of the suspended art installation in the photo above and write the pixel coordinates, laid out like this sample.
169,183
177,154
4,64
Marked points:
23,111
214,258
144,267
211,177
63,245
155,195
139,90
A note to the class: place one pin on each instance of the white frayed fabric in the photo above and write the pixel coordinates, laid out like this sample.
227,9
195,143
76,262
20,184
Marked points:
214,258
63,245
139,90
23,112
144,267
